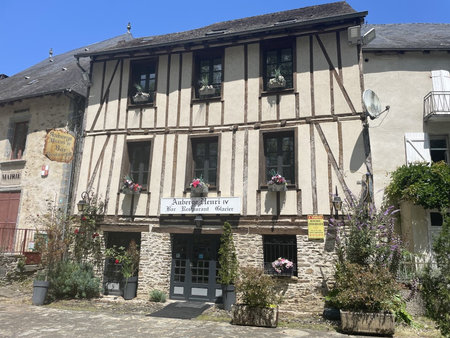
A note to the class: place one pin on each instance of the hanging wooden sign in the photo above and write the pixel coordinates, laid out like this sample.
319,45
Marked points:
59,146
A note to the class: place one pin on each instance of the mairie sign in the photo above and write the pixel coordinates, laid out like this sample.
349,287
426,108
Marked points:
200,205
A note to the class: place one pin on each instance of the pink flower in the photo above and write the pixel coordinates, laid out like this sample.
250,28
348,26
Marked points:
76,231
83,218
116,261
195,183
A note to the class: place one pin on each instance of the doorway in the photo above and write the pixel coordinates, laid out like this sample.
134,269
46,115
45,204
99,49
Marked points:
194,267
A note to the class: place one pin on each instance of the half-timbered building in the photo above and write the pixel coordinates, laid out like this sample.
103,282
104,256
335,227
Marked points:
230,103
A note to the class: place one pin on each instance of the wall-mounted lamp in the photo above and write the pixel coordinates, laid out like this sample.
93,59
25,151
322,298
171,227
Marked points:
337,204
198,221
84,202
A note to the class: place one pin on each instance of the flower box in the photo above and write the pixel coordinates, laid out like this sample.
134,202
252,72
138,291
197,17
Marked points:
127,191
206,90
141,97
278,81
130,187
373,323
277,187
200,189
254,316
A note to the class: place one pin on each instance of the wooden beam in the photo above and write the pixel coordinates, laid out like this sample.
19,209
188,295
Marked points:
100,160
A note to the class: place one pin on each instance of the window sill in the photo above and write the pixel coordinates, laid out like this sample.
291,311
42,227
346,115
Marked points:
289,187
13,163
207,99
277,91
141,105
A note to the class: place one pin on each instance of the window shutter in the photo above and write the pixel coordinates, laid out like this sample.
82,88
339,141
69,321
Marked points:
417,147
441,83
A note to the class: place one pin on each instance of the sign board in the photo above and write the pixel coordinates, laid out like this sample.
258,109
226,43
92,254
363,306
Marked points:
11,177
200,205
59,146
315,227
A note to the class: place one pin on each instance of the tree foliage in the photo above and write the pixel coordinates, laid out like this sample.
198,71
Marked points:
227,257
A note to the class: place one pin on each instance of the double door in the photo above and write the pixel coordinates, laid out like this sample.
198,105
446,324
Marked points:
194,267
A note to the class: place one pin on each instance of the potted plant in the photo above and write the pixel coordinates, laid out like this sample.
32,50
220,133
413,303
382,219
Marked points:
129,186
277,80
129,262
199,186
205,88
277,182
259,299
228,267
283,267
369,254
140,96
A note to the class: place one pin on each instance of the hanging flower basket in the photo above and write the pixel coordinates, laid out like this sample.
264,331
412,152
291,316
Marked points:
206,90
198,186
277,182
130,187
283,267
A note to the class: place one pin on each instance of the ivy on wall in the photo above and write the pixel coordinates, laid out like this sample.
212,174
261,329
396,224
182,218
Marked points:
421,184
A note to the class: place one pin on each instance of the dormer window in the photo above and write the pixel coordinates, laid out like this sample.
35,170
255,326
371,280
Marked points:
143,82
209,75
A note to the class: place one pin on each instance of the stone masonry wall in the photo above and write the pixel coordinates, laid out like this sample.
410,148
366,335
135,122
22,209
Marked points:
155,263
302,294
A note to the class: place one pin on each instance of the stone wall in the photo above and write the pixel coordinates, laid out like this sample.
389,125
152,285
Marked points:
302,294
8,266
155,263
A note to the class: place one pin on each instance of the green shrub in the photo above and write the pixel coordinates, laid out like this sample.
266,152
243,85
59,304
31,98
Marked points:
256,288
436,281
157,296
227,257
73,280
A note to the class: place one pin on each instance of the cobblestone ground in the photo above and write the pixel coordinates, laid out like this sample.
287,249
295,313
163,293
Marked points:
18,318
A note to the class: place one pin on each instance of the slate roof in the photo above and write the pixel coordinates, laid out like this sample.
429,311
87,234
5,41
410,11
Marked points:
409,36
49,77
327,13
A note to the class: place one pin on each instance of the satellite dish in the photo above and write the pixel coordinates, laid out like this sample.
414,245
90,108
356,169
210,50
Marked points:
372,104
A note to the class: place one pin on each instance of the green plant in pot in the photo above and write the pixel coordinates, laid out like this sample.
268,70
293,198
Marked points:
259,299
128,258
228,269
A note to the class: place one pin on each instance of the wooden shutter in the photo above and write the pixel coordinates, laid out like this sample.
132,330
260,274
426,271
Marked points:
417,147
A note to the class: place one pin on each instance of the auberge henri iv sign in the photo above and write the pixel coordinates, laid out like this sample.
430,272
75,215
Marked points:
200,205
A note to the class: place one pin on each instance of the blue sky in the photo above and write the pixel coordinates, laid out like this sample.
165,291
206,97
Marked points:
29,28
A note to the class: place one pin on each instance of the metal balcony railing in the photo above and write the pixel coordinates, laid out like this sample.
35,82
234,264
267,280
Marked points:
16,241
436,104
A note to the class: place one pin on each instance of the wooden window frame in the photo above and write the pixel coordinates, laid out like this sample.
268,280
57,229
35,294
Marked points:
135,66
210,55
126,163
190,160
277,45
270,247
262,165
17,154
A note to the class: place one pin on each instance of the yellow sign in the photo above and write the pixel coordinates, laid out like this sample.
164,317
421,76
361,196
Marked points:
59,146
315,227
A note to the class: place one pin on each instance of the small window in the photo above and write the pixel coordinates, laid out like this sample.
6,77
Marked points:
19,139
280,246
278,66
209,75
139,162
143,82
204,159
279,156
438,149
436,219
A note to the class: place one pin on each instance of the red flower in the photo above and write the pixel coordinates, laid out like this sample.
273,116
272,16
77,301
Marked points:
76,231
195,183
83,218
95,235
116,261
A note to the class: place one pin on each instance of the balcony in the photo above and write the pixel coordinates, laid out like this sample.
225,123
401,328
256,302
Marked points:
436,106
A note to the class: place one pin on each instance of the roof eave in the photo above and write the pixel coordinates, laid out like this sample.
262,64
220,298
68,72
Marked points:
231,35
413,49
24,97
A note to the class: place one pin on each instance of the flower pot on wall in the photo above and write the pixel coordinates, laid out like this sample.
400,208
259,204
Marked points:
199,190
129,291
40,289
254,316
141,97
277,187
206,90
373,323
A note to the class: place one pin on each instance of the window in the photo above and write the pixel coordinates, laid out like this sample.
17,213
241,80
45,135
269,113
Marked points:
279,246
279,156
438,149
139,162
204,156
19,139
278,60
143,82
209,75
